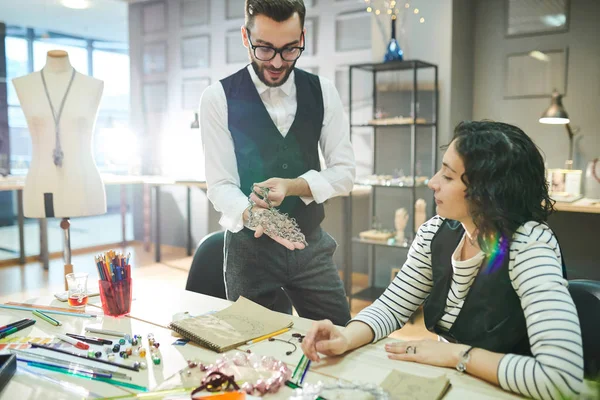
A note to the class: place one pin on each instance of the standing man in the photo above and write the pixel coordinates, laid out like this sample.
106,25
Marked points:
263,125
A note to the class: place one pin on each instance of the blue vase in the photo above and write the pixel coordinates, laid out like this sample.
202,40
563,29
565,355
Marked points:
393,52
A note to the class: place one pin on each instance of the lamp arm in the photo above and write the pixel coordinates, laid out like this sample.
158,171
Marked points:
571,134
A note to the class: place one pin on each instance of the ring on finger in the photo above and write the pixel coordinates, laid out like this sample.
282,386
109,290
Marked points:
411,350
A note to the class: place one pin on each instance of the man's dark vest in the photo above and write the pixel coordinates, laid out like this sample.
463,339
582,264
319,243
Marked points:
260,149
491,317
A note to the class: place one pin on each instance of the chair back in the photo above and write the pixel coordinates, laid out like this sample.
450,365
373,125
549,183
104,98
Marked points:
586,296
206,272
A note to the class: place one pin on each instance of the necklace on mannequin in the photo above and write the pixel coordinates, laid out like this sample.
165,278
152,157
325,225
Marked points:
57,154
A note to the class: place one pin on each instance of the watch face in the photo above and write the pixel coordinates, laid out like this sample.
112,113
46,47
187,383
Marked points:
461,367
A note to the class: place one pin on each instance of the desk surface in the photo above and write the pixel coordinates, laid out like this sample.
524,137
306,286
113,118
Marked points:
585,205
368,364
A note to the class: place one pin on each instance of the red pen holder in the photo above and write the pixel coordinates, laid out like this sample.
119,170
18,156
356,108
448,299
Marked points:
116,297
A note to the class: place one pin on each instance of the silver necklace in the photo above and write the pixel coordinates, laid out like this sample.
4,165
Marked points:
57,154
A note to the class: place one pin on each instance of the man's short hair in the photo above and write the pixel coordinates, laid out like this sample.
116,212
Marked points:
277,10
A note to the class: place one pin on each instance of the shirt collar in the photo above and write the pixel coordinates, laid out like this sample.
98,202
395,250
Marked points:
286,88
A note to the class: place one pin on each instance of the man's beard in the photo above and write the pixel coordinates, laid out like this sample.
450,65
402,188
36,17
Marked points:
261,72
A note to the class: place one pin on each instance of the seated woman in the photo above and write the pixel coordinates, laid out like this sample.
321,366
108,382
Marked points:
488,271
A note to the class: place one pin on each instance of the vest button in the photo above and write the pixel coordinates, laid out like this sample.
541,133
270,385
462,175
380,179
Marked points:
284,166
285,147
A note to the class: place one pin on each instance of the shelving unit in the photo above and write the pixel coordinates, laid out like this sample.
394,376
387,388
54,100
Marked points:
431,124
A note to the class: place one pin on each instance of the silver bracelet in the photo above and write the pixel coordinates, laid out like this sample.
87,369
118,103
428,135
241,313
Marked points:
464,358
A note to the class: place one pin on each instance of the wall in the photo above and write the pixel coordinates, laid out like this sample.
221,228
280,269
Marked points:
578,233
583,79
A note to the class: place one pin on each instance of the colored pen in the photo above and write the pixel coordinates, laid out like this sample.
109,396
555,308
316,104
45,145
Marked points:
17,325
74,342
86,371
107,380
90,340
305,371
46,318
5,327
66,363
71,314
85,357
17,328
67,387
105,332
270,335
298,366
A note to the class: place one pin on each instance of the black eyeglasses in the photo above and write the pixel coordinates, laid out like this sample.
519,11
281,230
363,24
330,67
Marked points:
267,53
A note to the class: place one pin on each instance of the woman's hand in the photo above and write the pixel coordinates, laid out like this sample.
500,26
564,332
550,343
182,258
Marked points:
431,352
325,338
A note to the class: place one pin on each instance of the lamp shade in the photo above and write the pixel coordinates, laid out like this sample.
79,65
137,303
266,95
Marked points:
556,113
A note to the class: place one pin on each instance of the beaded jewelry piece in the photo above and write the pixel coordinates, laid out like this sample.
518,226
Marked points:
274,222
220,376
289,341
312,391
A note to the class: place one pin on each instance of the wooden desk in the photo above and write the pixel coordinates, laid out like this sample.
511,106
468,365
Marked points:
17,183
368,364
591,206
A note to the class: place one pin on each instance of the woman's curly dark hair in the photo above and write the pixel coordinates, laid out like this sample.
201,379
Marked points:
505,178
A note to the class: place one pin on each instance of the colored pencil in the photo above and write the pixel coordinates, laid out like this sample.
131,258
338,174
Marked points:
107,380
46,318
67,363
298,366
305,371
89,372
69,313
47,308
270,335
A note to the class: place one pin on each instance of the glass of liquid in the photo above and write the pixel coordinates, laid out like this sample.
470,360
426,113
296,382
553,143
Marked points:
77,286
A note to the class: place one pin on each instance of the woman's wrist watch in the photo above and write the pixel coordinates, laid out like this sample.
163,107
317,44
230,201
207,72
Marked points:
463,359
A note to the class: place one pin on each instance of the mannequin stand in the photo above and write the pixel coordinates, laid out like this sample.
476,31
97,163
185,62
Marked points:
65,225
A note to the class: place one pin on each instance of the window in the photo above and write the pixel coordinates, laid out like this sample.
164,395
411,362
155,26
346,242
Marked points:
112,125
78,56
17,63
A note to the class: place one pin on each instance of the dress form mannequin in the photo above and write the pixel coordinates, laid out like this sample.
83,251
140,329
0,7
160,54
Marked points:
400,221
73,188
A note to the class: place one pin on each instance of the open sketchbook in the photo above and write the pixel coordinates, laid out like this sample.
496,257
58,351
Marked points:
227,329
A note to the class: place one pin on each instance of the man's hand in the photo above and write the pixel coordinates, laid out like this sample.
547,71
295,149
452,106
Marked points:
260,230
278,189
